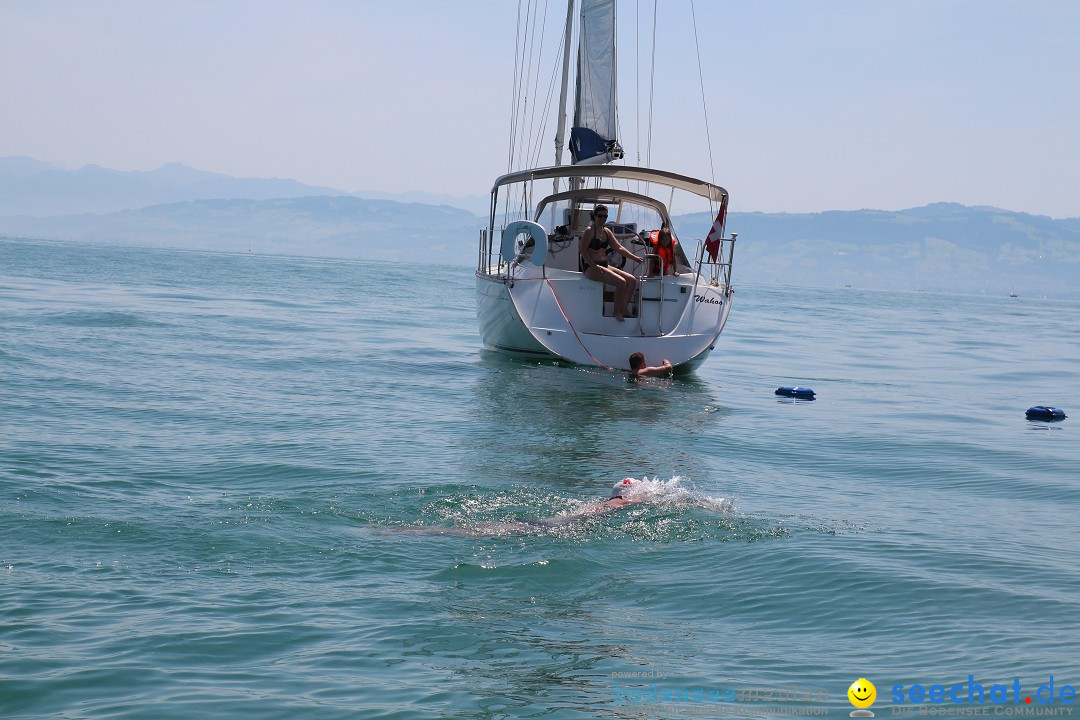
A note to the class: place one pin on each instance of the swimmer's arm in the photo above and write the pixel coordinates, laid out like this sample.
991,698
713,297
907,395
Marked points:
657,371
614,504
597,509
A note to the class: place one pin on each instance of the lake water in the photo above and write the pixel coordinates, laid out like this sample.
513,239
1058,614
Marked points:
235,486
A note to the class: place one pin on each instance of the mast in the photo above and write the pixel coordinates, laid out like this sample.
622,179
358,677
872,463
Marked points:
560,134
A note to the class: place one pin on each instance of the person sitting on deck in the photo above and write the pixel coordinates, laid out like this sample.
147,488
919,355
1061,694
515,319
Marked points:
664,246
594,245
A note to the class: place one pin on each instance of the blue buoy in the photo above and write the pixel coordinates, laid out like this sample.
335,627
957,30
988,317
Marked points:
1042,412
799,393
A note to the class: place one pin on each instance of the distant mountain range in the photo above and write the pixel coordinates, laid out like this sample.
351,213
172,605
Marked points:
336,226
479,205
32,187
939,247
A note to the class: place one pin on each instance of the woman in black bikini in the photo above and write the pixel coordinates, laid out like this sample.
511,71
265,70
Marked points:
593,247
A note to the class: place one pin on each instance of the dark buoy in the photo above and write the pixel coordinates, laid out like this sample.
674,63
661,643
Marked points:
799,393
1042,412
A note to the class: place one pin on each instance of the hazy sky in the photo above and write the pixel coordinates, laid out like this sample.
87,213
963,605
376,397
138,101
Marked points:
825,105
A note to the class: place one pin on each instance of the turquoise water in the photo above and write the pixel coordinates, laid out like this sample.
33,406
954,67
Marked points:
265,487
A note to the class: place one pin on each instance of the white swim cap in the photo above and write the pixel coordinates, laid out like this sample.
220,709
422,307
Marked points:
623,488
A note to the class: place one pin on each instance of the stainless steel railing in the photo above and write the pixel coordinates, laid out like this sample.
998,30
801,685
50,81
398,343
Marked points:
719,270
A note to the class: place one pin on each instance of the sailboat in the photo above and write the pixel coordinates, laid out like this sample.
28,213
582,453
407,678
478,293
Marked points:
533,298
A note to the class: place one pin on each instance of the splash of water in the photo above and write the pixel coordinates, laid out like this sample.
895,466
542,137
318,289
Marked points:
678,492
655,501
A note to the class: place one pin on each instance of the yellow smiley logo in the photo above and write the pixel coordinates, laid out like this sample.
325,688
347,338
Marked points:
862,693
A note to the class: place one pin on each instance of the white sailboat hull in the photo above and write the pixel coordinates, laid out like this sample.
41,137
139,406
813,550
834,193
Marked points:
501,328
559,315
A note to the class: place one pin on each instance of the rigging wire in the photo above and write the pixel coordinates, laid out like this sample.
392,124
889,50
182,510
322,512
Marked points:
613,91
514,94
513,108
704,106
522,92
537,136
652,89
544,115
522,146
536,83
637,81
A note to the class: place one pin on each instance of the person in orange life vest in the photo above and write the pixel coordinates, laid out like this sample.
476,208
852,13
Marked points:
595,242
664,246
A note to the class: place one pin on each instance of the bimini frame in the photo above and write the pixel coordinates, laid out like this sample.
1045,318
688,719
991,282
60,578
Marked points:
713,193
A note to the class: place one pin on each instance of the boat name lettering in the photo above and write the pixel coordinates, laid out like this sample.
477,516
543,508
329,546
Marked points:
704,299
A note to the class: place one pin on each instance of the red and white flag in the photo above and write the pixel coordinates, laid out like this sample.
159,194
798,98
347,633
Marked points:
712,240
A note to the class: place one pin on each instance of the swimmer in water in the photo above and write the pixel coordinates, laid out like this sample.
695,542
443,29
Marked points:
621,496
638,367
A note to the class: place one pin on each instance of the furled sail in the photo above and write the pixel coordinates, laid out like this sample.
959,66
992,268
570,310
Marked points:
592,137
